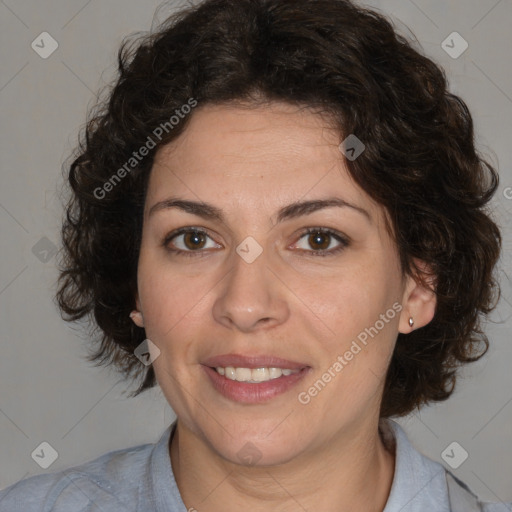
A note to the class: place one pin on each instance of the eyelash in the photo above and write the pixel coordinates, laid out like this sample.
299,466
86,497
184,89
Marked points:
344,241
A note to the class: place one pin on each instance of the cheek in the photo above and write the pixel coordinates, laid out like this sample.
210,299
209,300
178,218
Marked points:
173,303
349,300
169,303
356,311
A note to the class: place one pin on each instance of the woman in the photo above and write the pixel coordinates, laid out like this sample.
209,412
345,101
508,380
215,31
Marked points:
280,218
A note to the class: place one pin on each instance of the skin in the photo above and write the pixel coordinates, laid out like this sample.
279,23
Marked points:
249,161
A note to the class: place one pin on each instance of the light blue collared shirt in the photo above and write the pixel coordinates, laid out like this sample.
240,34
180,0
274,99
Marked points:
140,479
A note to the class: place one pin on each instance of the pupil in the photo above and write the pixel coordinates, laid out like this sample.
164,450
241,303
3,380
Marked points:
196,237
317,240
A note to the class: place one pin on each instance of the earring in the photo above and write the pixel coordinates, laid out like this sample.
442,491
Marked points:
137,315
411,322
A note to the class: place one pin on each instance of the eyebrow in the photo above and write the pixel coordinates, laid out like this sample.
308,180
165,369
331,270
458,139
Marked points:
291,211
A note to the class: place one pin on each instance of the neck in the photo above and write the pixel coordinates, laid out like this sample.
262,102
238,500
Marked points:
349,472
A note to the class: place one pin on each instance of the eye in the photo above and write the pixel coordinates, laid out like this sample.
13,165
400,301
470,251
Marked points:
191,241
188,241
321,240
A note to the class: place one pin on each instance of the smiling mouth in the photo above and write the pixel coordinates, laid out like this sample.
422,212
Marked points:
253,378
254,375
254,385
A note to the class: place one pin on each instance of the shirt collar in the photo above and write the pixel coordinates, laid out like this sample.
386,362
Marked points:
419,483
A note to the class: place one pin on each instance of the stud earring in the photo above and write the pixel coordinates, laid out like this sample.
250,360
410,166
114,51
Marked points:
411,322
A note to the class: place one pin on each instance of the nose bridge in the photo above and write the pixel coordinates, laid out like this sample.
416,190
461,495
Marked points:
249,297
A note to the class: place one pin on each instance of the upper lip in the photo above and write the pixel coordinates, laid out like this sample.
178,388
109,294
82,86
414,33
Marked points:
252,361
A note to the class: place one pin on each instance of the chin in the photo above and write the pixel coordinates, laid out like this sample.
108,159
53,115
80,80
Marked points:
260,454
249,447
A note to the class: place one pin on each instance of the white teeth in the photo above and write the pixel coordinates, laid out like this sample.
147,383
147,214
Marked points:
275,373
260,374
253,375
243,374
230,373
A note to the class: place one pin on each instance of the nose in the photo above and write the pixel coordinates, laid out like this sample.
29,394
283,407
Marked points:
251,296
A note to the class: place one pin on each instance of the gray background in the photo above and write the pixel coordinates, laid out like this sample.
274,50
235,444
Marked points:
47,391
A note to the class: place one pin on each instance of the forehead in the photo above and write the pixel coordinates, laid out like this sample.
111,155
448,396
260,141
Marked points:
255,157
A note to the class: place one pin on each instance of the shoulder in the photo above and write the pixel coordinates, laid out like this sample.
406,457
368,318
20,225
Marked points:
420,483
111,481
497,507
461,497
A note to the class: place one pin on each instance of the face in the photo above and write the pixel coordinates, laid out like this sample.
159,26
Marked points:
244,285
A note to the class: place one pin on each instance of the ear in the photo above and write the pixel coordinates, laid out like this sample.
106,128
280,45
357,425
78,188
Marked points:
136,314
137,319
418,301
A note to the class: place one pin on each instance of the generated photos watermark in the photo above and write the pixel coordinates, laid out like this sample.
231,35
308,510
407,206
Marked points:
143,151
305,397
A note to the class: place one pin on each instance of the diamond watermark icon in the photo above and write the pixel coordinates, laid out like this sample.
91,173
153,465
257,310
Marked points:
45,455
249,249
147,352
249,454
454,45
44,250
454,455
44,45
352,147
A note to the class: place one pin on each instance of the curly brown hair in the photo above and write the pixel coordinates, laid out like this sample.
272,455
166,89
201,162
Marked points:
420,164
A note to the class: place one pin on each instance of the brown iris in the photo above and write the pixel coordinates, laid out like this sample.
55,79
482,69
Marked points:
196,238
315,240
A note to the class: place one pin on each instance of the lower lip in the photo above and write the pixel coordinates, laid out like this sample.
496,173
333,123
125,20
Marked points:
250,393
